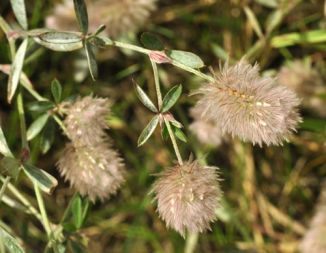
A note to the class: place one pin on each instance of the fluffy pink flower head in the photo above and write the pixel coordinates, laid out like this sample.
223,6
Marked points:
95,171
120,16
254,108
187,196
86,120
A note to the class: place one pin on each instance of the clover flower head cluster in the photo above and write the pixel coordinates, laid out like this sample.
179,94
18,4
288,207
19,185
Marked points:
89,162
187,196
244,104
119,16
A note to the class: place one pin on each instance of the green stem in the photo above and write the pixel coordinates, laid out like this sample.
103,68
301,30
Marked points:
193,71
157,86
129,46
175,63
4,186
45,220
174,142
21,114
191,242
22,199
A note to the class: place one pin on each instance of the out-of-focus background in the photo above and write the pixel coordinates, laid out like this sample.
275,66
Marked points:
270,193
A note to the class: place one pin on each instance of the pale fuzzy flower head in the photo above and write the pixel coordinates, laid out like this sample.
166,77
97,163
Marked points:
119,16
254,108
188,196
306,82
314,239
205,130
94,171
86,120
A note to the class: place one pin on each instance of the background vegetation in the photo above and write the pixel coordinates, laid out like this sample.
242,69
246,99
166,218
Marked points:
269,192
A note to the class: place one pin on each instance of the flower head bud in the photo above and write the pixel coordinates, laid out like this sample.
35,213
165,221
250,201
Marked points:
188,196
205,130
95,171
314,239
86,120
119,16
306,82
251,107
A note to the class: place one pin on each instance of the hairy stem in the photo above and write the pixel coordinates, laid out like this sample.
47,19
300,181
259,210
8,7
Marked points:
174,142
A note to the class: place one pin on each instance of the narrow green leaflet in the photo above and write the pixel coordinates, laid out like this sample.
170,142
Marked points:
180,134
100,29
19,9
11,244
59,41
4,149
92,64
44,180
56,90
16,70
47,137
171,97
151,41
10,166
37,126
145,99
186,58
81,14
148,131
40,106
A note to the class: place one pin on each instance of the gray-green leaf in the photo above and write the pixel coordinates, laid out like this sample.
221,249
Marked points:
81,14
16,70
10,242
44,180
92,64
19,9
171,97
60,41
37,126
56,90
148,131
4,149
47,137
10,166
145,99
151,41
186,58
